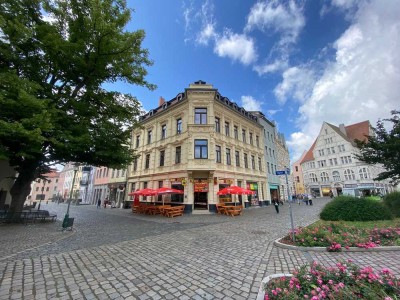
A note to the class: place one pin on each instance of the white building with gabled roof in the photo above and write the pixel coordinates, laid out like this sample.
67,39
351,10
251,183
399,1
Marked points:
330,164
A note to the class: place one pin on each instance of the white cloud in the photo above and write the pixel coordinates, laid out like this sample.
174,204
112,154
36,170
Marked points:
207,33
251,104
238,47
297,83
272,112
277,65
363,81
297,143
286,19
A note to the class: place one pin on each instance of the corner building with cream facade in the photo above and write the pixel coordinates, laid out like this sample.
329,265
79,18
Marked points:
199,142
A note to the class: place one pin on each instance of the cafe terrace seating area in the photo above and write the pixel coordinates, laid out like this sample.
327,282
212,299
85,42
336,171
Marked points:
229,210
170,211
166,210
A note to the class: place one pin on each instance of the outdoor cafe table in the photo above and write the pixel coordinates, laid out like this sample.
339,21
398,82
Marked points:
231,209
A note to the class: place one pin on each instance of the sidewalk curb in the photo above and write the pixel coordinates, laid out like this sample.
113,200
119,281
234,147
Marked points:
277,243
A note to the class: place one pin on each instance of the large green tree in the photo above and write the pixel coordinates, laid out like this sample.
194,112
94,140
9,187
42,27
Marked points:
383,148
55,57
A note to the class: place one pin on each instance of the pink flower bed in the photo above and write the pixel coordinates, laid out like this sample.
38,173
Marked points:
344,281
337,236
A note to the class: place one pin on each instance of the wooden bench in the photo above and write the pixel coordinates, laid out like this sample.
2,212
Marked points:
220,208
141,208
26,216
174,211
234,210
44,215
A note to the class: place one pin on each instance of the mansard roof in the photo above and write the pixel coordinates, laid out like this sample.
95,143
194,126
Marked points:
201,85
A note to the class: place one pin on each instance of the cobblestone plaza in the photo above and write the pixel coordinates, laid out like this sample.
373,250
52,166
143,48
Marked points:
114,254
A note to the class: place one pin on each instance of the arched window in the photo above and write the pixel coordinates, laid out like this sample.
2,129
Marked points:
349,174
364,173
324,177
336,176
313,178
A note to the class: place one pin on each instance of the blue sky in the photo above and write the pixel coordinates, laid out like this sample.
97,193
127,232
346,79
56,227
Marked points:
299,62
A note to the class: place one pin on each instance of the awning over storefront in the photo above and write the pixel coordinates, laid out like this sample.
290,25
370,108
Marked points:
273,187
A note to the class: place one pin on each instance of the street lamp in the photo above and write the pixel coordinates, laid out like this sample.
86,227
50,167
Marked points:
66,217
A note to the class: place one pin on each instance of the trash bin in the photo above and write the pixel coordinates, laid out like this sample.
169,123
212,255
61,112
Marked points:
68,223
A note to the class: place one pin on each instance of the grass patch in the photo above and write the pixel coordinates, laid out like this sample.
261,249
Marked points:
376,198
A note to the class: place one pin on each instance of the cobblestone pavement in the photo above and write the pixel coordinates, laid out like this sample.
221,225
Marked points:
114,254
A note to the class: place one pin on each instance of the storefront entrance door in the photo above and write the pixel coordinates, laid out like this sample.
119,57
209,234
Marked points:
200,200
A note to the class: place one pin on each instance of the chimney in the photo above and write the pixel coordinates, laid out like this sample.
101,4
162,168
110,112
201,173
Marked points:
343,129
161,101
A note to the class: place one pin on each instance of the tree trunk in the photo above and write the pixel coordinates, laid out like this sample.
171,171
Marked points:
22,187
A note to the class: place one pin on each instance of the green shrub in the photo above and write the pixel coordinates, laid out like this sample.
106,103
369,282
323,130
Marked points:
392,201
348,208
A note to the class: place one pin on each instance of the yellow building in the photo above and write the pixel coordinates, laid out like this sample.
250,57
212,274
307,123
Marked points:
199,142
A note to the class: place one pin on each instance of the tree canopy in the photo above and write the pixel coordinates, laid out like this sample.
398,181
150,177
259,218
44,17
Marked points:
55,57
383,148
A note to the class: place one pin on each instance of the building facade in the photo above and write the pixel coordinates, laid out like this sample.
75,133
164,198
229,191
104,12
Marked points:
86,185
270,156
44,189
71,179
117,186
298,179
283,160
100,186
200,142
330,166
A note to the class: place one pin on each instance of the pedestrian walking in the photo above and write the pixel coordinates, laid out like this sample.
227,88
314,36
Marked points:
98,203
275,202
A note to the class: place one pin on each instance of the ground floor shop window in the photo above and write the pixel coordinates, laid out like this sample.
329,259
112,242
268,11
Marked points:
224,198
177,197
253,186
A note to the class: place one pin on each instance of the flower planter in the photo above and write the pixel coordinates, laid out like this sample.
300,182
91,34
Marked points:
261,292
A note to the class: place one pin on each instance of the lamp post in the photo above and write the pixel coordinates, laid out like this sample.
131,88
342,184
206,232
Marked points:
287,171
66,217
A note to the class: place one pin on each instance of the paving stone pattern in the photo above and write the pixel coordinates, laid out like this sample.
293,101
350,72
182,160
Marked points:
114,254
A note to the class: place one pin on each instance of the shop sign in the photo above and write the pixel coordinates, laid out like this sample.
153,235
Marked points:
201,185
252,186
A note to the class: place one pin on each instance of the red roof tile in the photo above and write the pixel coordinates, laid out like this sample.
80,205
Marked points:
358,131
309,156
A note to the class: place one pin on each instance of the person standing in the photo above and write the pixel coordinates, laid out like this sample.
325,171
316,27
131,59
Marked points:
275,202
98,203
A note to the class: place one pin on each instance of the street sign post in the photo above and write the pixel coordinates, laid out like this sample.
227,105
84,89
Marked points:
286,173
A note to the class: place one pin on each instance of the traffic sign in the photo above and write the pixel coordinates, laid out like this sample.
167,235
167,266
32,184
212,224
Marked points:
280,172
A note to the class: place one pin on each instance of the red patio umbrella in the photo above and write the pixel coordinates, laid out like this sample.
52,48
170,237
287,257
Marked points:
167,190
143,192
235,190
